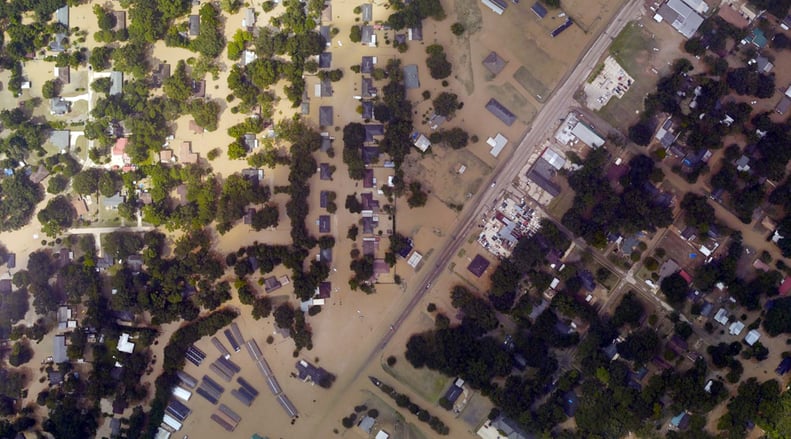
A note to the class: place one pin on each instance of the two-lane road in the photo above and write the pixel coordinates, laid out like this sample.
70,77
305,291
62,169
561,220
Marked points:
556,108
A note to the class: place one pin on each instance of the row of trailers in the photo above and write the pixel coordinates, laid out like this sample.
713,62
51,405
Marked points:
269,377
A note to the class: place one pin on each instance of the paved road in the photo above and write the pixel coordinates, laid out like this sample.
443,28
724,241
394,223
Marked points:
557,107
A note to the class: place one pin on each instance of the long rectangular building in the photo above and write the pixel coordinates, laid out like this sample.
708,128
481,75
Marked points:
497,6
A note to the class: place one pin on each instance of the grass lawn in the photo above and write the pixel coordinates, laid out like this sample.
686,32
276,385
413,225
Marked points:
632,48
424,382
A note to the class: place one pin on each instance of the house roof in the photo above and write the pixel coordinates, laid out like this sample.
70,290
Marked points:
58,106
324,171
368,178
368,89
62,15
325,290
120,20
325,116
494,63
325,60
271,284
116,83
370,154
56,45
366,424
59,349
679,15
539,10
367,34
307,371
542,174
415,33
112,202
411,77
5,286
325,255
40,174
324,224
249,17
500,112
324,198
453,392
367,64
373,130
59,139
478,265
368,110
367,11
186,155
194,25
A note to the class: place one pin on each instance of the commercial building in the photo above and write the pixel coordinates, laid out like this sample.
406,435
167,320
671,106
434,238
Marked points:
681,16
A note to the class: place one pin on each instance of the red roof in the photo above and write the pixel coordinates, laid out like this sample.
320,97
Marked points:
785,287
120,146
686,276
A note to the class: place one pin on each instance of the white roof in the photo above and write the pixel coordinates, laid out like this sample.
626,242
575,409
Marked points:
752,337
587,135
721,317
497,143
414,259
736,328
553,158
788,92
182,393
124,345
700,6
554,283
422,143
705,250
382,435
171,422
162,434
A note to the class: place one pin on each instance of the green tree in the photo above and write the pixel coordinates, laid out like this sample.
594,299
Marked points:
446,104
51,88
675,288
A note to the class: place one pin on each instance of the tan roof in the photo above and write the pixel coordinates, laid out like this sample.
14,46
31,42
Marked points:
166,155
732,16
186,155
79,206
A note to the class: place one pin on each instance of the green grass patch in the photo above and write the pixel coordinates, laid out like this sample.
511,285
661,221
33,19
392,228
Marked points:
426,383
625,47
531,83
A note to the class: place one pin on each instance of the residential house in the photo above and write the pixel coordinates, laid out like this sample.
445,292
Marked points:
59,351
325,60
368,36
112,203
60,139
324,224
80,207
494,63
194,25
411,78
186,155
120,20
415,34
368,110
248,21
367,88
497,143
367,12
59,106
367,64
678,14
539,10
40,174
116,83
307,372
326,116
757,38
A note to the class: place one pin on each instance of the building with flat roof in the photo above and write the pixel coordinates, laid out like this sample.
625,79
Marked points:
678,14
478,265
539,10
124,345
421,142
497,143
497,6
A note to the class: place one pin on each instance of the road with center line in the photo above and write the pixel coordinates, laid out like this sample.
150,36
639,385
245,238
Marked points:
556,108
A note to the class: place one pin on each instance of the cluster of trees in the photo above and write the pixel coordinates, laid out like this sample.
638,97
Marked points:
437,62
446,104
455,138
412,14
26,136
403,401
599,210
353,140
293,320
746,81
18,199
